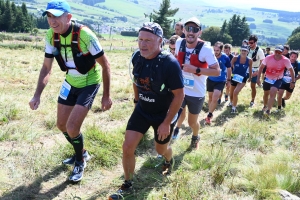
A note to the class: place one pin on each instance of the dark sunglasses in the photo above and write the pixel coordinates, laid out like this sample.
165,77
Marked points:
172,49
250,42
192,29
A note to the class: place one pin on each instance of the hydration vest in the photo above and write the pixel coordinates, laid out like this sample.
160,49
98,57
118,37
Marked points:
194,59
254,53
83,62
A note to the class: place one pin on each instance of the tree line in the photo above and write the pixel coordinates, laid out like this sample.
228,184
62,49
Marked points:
234,31
15,18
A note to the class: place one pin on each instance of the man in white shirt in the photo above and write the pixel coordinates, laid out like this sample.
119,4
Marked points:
197,61
257,55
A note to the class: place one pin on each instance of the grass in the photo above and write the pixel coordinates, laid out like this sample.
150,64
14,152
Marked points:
241,156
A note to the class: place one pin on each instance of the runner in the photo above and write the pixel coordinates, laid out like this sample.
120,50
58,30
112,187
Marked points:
276,63
240,65
286,86
257,56
216,84
198,61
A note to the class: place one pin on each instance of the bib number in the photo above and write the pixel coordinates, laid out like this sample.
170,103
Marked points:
65,90
267,80
287,79
238,78
188,81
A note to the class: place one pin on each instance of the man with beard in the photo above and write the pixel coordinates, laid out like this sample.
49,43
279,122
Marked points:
215,85
286,81
197,61
276,63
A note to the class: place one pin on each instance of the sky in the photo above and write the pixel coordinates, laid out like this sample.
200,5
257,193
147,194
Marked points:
288,5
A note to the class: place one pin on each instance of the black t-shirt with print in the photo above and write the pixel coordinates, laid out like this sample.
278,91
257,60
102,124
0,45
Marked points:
155,78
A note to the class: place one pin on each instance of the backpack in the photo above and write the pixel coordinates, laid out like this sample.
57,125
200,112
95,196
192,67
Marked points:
83,62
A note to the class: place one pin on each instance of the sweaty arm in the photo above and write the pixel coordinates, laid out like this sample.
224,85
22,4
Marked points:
106,101
42,82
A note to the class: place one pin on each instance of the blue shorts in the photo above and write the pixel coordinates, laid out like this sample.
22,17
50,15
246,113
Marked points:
253,79
277,84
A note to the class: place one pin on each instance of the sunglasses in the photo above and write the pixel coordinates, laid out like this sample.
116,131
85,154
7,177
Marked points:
192,29
250,42
172,49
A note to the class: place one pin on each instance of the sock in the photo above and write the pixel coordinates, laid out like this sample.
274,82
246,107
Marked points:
67,137
233,107
279,107
78,147
128,182
210,114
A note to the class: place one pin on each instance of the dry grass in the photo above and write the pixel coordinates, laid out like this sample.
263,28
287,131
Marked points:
240,157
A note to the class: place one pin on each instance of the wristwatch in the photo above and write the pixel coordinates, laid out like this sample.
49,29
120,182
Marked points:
198,70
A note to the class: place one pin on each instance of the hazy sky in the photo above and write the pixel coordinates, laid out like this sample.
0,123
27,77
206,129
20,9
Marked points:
288,5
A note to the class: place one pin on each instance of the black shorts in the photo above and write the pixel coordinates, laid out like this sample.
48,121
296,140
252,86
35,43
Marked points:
194,104
267,86
234,83
212,85
81,96
139,123
286,86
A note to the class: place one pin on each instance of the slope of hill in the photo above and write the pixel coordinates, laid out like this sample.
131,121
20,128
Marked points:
132,13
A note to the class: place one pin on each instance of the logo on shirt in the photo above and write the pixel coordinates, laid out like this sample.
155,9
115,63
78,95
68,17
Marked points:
95,45
141,97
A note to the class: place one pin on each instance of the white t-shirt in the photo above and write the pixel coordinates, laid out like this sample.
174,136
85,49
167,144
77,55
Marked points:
259,56
206,55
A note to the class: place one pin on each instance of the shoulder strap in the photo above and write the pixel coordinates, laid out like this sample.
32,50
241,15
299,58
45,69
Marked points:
75,37
56,41
198,47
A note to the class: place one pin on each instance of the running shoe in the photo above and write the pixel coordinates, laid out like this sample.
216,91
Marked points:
234,110
78,170
264,108
125,189
71,160
176,133
267,114
167,167
252,104
207,120
194,142
283,102
230,104
219,101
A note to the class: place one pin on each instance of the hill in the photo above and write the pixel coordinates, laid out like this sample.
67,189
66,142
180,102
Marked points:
130,14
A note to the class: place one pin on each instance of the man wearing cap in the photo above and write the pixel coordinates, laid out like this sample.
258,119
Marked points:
158,94
83,77
179,30
257,55
276,63
240,65
197,61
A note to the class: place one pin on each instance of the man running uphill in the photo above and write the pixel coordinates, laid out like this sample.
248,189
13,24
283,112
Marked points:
276,63
158,91
82,78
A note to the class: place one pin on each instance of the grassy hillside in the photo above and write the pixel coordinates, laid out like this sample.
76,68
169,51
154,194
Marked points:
241,156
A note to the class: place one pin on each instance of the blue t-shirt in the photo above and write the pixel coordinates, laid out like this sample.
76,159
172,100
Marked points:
155,79
224,63
241,69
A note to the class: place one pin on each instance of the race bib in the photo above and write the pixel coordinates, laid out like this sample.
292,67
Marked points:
188,81
238,78
267,80
65,90
287,79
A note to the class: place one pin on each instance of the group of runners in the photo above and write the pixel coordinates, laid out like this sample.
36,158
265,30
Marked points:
166,84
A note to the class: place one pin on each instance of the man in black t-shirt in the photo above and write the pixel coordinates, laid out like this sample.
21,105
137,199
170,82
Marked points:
286,51
179,30
158,95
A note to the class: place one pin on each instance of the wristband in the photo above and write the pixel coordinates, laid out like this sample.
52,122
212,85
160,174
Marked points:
135,101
